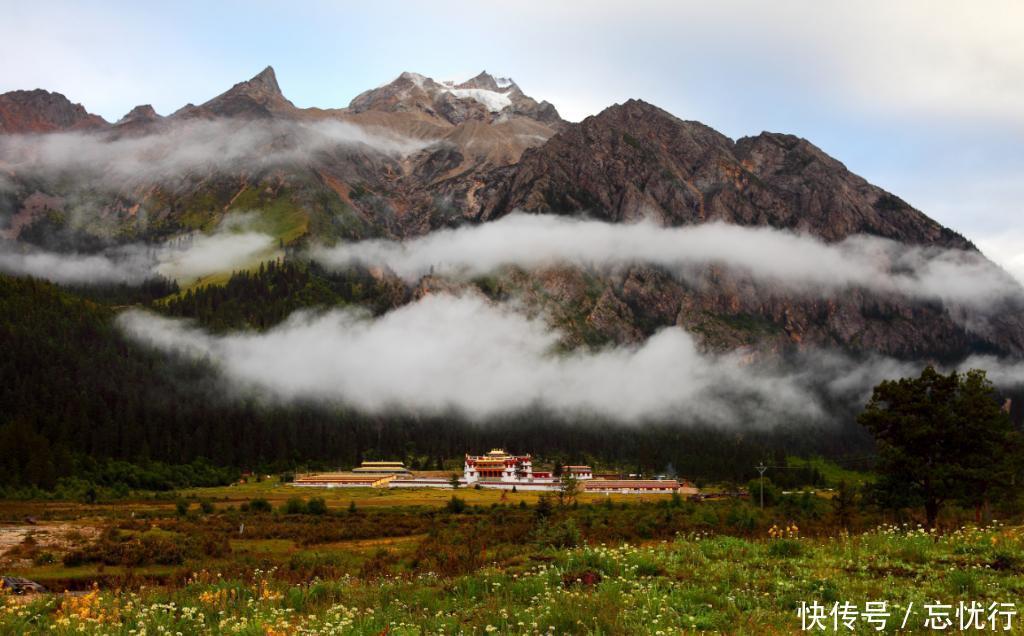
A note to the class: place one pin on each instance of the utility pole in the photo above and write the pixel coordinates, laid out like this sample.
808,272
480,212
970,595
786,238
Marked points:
760,469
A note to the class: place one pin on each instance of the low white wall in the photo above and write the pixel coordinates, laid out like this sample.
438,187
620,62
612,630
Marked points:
334,485
421,483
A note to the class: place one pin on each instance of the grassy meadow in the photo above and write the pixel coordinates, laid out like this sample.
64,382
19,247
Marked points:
259,558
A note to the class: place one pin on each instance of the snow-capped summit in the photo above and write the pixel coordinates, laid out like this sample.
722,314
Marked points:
482,98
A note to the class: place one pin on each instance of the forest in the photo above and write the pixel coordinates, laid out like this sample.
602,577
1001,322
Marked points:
79,400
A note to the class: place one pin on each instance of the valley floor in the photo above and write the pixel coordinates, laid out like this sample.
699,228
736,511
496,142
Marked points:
506,566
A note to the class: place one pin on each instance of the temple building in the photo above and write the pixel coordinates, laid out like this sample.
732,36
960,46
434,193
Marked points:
382,468
498,465
579,472
498,470
343,480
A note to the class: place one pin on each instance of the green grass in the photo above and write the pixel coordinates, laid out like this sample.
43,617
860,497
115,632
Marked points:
832,472
339,498
696,583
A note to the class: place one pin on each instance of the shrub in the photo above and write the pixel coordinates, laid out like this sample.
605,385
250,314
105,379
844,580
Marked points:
260,505
771,493
544,506
215,545
582,578
113,548
181,506
206,506
316,506
294,506
785,548
564,534
378,565
43,558
963,582
456,505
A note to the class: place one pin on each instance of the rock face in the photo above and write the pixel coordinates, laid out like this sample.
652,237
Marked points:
636,160
480,149
142,114
41,111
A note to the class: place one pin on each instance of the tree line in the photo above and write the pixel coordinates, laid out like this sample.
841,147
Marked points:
73,386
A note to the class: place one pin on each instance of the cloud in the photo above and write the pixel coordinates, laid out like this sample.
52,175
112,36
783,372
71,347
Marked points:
123,265
182,147
1003,372
183,259
205,255
799,262
464,354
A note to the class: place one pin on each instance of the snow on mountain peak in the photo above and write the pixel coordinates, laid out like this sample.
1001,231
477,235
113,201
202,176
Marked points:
492,100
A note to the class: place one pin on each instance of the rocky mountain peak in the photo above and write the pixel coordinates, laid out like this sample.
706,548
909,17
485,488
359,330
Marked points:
141,113
42,111
258,97
486,81
482,98
634,160
263,83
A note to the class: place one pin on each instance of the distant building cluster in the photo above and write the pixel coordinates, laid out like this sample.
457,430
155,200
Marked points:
496,470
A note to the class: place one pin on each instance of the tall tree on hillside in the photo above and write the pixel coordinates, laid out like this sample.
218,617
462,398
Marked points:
941,438
569,488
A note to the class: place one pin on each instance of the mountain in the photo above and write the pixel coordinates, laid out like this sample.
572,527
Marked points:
634,160
40,111
259,97
432,155
479,124
482,98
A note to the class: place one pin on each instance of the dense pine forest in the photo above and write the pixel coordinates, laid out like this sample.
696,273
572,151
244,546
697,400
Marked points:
266,296
82,404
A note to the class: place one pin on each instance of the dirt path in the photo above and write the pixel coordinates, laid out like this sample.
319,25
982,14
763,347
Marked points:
51,537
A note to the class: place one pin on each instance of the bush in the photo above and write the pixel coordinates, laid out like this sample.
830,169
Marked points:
113,548
294,506
785,548
564,534
456,505
804,506
44,558
544,506
215,545
260,505
181,506
771,493
316,506
206,506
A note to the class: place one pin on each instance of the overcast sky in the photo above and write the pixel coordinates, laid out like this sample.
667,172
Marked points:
923,98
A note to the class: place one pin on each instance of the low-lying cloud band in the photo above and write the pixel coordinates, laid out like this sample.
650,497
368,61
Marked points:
183,259
181,147
464,354
799,262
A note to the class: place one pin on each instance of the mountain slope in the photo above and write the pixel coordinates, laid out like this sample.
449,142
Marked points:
635,160
432,155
